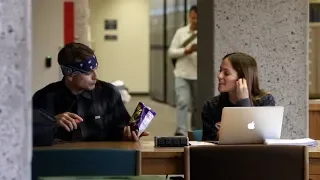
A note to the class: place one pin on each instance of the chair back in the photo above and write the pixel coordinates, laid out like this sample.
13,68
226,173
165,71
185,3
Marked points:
246,162
195,135
85,162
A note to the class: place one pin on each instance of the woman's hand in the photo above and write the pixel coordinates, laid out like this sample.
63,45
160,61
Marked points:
218,125
242,89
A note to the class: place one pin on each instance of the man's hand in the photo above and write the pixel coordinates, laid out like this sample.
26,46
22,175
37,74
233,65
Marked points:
129,135
68,121
191,49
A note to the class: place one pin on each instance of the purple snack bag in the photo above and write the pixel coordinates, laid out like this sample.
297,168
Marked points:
141,118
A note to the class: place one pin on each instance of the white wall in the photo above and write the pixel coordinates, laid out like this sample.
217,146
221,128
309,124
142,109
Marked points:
47,34
127,58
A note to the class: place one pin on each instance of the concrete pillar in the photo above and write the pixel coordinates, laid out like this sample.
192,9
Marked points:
82,28
276,34
205,55
15,89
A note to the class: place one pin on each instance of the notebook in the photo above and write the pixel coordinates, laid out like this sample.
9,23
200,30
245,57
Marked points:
301,142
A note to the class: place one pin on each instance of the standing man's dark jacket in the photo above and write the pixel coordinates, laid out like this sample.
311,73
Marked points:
103,112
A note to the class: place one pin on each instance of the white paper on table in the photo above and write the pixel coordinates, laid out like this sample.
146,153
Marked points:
302,142
200,143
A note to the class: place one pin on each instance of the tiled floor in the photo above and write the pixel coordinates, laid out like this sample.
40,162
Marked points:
163,124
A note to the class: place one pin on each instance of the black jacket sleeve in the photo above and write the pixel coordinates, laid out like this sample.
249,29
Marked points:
120,118
210,116
267,100
44,126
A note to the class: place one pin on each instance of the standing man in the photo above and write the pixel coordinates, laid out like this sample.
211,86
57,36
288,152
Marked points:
183,52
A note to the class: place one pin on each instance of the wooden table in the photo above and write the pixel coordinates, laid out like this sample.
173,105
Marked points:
162,161
314,162
104,178
314,119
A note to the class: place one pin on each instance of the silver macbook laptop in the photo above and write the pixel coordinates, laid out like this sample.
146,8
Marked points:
250,125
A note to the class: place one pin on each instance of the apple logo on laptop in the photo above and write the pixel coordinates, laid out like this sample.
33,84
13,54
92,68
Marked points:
251,125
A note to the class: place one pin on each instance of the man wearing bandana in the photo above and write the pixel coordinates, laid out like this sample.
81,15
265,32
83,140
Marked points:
79,107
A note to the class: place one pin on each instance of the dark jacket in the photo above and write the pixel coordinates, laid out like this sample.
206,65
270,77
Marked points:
102,110
212,111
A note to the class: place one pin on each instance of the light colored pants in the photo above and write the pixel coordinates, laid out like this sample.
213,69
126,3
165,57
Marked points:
186,91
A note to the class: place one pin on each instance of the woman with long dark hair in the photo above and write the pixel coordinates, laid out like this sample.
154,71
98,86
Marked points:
238,86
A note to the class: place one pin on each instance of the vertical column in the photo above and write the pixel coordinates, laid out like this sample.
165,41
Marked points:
82,27
276,34
205,55
15,89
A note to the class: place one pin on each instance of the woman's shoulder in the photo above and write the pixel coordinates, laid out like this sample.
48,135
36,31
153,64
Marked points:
265,99
211,106
213,102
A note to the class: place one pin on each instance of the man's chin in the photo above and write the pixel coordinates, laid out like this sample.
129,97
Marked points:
91,87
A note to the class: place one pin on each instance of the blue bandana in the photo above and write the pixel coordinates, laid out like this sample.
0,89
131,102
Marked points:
82,67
